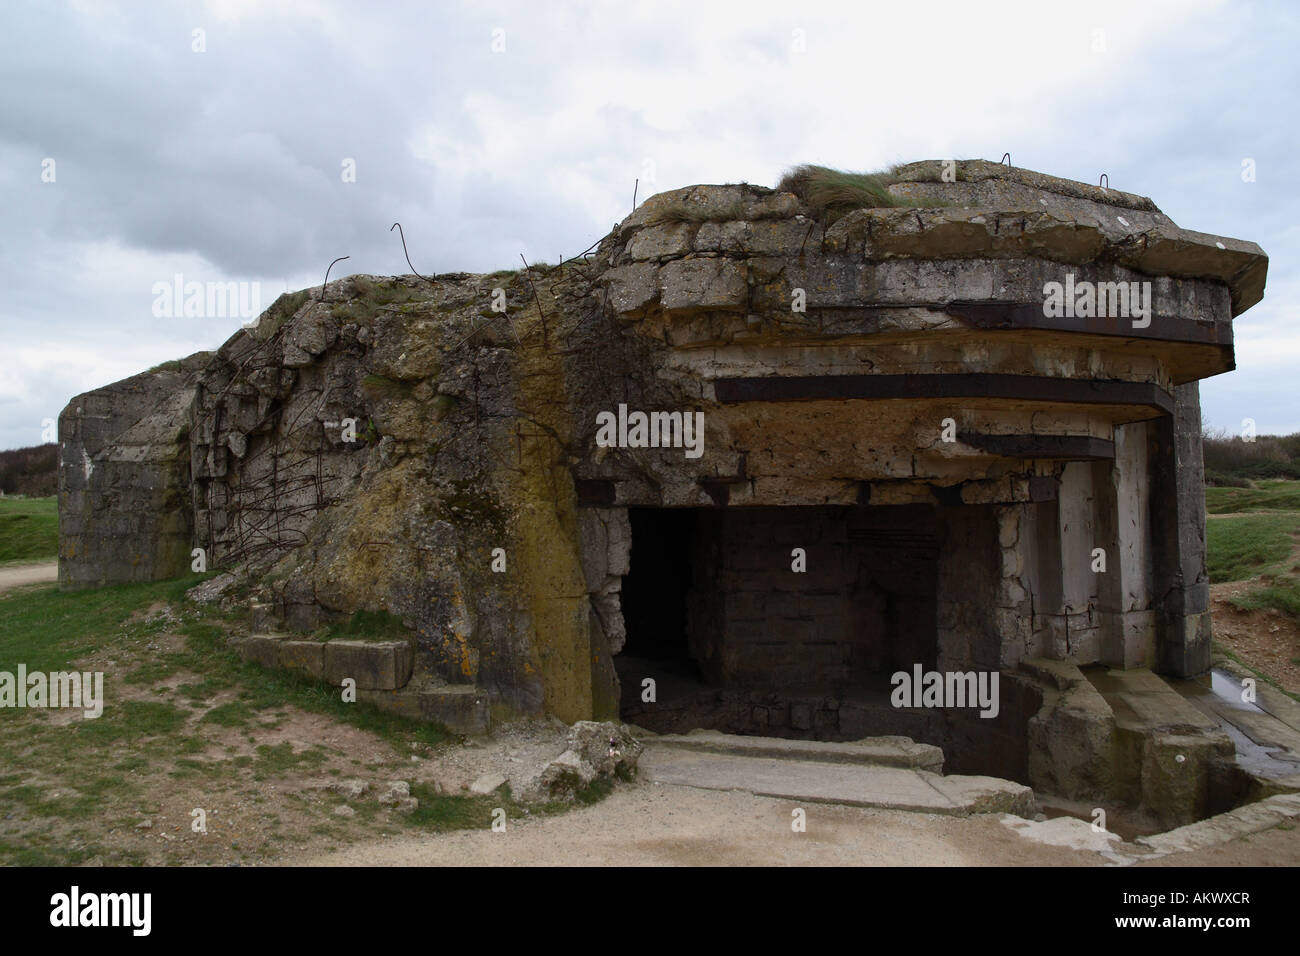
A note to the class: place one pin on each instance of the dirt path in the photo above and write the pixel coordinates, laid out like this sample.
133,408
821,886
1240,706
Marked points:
665,825
17,575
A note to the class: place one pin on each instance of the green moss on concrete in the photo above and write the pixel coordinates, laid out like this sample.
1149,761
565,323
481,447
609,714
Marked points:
370,296
379,387
471,502
281,311
368,626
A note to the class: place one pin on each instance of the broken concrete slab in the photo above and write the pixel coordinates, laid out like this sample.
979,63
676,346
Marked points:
891,751
891,788
690,285
1067,831
593,749
487,783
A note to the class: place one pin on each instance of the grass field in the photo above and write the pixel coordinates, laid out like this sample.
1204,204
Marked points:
186,724
29,529
1255,532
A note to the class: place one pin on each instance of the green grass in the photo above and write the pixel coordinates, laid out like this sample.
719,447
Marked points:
440,812
1265,496
107,769
1242,547
682,211
1257,540
279,759
368,625
234,714
29,529
46,628
130,721
1282,595
834,192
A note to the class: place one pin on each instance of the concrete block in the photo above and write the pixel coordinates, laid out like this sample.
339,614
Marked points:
374,665
308,656
462,710
261,649
688,285
661,241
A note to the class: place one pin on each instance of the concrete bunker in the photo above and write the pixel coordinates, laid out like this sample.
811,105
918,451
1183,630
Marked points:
892,389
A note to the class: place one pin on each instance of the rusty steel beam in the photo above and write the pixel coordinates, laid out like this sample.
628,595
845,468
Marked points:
964,385
1069,447
1023,315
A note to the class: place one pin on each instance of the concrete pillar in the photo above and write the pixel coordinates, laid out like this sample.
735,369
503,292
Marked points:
1181,584
1077,635
1123,531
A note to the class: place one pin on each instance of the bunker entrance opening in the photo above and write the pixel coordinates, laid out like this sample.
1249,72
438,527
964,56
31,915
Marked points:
784,621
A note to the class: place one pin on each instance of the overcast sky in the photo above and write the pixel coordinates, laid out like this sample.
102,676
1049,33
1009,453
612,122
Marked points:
489,130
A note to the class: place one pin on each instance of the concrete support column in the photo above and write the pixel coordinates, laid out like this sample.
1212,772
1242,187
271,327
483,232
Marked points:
1123,531
1181,584
1076,634
604,549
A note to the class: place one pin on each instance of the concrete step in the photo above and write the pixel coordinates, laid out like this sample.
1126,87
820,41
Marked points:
461,708
870,751
1143,703
848,784
1233,825
374,665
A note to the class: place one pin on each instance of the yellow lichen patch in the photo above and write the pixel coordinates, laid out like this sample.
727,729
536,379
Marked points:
550,581
367,554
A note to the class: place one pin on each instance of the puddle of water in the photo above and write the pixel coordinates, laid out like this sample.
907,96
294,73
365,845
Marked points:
1220,691
1218,686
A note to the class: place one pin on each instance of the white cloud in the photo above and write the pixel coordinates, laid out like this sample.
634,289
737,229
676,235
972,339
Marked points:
225,165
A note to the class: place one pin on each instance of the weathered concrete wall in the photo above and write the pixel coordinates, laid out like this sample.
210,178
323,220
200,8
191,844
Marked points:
124,480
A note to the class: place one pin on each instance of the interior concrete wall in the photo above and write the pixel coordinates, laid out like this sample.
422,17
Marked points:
864,605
